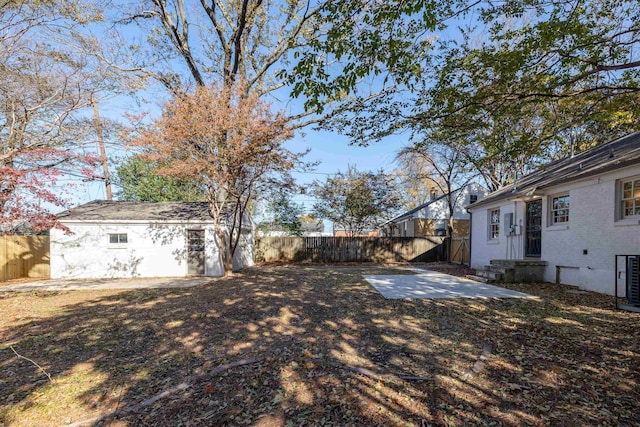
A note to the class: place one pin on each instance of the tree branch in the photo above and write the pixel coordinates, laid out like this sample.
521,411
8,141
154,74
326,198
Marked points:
33,362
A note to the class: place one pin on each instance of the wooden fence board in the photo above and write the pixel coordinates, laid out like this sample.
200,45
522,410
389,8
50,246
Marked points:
24,256
345,249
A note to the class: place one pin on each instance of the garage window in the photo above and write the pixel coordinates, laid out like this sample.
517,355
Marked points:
117,238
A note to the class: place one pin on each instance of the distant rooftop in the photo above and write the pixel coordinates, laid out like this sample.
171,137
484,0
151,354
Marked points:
409,214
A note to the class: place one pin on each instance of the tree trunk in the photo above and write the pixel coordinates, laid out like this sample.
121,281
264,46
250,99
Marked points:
103,154
223,247
449,235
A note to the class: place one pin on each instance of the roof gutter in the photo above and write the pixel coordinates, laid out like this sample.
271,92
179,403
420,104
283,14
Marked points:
134,221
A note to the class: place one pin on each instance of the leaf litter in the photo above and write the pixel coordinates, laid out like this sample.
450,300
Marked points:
329,349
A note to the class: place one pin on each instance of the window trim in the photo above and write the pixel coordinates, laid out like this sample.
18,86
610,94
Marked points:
552,210
120,240
620,199
494,227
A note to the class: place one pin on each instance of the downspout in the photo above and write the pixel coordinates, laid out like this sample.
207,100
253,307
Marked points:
518,237
470,231
511,252
513,227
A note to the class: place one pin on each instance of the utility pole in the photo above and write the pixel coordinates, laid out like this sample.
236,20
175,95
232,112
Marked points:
103,154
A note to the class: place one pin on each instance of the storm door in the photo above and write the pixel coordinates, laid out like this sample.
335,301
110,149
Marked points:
533,229
195,252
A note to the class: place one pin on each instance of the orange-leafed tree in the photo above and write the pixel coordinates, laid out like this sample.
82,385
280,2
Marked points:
228,143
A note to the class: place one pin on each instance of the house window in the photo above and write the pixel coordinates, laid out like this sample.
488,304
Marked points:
630,200
494,224
473,198
440,228
117,238
560,209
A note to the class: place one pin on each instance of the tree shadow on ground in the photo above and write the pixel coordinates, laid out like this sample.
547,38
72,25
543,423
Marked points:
563,360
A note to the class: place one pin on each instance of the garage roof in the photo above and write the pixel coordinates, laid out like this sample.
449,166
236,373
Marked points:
109,210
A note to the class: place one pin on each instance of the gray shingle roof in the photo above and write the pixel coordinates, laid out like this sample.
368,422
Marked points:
603,158
107,210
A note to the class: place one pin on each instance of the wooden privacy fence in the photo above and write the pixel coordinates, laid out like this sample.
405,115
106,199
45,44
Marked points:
24,256
349,249
460,253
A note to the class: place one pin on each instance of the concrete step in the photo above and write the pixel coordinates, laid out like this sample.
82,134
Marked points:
492,275
518,270
478,278
497,268
511,263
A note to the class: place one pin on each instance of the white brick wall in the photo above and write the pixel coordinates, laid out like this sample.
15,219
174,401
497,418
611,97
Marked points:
484,249
592,227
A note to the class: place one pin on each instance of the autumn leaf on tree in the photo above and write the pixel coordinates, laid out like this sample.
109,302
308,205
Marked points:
229,144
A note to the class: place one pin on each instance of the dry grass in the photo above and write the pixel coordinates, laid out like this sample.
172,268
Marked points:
565,359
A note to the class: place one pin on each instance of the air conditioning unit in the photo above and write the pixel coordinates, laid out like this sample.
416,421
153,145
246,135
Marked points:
633,280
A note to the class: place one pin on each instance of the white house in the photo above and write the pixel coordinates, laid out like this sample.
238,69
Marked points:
430,218
109,239
569,219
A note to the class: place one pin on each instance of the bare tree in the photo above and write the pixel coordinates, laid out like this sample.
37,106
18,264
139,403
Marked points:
416,177
450,173
356,201
205,42
42,92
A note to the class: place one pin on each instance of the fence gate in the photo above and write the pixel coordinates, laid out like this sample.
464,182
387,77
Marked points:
460,252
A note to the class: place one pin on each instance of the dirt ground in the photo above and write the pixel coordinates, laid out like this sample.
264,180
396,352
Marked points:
319,347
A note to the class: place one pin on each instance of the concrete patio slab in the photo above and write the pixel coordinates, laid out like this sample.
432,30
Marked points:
106,284
431,284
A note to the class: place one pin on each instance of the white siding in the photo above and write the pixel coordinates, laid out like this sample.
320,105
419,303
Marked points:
152,250
245,252
440,209
436,210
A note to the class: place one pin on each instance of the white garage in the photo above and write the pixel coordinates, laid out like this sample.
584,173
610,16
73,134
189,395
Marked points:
114,239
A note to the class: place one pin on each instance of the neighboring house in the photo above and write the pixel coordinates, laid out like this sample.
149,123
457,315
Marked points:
430,218
569,219
108,239
313,229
